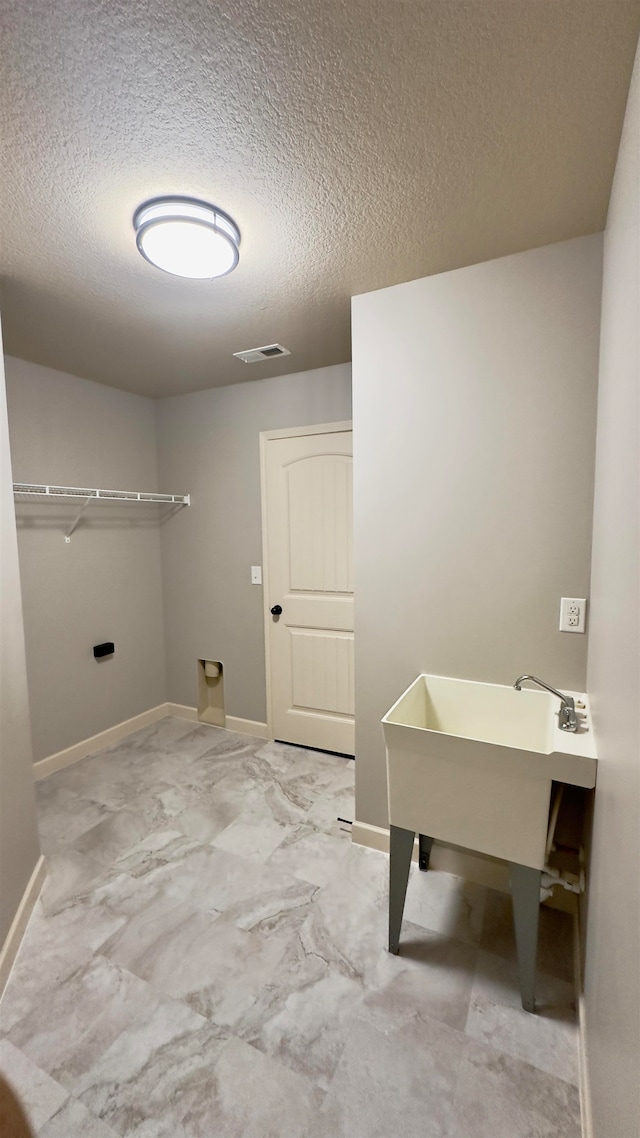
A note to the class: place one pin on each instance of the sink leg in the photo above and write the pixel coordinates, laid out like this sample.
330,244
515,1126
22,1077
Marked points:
400,851
424,851
525,890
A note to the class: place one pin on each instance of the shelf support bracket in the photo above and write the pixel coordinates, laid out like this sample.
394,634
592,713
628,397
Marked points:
67,536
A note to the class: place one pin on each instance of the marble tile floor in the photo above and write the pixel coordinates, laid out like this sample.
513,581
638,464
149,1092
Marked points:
208,960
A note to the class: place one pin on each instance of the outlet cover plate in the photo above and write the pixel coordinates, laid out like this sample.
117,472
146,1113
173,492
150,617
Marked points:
572,614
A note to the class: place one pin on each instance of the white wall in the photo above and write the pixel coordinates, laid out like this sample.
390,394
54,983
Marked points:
612,984
474,421
19,847
104,585
209,447
107,584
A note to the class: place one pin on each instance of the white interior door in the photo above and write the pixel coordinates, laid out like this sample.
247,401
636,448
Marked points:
308,539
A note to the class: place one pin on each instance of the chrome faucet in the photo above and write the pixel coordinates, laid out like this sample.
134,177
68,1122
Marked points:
567,720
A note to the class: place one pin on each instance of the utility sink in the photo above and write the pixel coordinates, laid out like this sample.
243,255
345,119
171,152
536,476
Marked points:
471,764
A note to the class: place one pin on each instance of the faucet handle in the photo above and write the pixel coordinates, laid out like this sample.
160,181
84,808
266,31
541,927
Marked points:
567,719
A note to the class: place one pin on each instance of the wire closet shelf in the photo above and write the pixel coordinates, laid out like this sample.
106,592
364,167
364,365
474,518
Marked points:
88,494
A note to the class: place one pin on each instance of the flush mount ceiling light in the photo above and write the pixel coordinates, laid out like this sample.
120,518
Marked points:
186,237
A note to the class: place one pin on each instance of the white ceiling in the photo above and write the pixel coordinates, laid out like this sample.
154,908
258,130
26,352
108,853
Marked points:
357,143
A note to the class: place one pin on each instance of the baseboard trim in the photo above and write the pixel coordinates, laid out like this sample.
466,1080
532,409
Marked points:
373,837
231,722
474,867
14,937
584,1083
94,743
181,711
66,758
247,727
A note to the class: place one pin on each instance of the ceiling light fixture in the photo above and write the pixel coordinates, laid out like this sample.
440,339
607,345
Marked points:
186,237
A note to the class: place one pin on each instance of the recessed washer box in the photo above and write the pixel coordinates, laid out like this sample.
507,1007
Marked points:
211,692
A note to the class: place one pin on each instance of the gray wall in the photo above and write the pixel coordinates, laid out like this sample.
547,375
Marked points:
104,585
474,420
208,447
612,984
19,848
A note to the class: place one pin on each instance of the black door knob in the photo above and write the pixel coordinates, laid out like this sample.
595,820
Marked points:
276,610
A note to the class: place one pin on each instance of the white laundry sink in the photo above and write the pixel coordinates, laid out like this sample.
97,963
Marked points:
472,764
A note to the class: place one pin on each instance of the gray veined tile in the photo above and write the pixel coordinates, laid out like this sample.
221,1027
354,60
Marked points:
297,781
112,778
96,914
309,854
281,906
225,754
288,801
336,801
432,978
72,1026
151,939
396,1080
160,735
287,761
276,799
182,741
157,1075
73,1120
548,1039
254,896
63,816
208,878
555,938
71,877
312,773
207,814
303,1013
206,962
445,904
54,948
253,788
113,836
203,738
197,1085
71,779
203,870
198,810
256,1097
501,1097
252,837
200,756
156,850
39,1095
173,751
114,775
156,804
209,809
347,926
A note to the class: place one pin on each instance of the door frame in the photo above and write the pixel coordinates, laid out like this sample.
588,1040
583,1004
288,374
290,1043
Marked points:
265,438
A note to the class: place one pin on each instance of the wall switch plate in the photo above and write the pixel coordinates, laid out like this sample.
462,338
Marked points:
572,614
256,574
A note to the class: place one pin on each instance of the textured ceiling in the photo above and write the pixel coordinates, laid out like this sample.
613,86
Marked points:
357,143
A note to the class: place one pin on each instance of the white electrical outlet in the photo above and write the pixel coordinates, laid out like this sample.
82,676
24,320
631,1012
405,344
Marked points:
256,574
572,614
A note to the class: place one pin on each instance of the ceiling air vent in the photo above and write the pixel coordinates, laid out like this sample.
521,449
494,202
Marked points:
269,352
